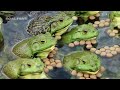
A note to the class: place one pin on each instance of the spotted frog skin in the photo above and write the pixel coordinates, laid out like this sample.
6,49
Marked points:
22,67
81,32
40,45
85,61
55,23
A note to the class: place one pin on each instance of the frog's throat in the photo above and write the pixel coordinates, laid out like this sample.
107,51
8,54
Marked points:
45,52
91,72
62,30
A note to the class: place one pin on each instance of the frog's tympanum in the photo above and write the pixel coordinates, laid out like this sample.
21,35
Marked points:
24,68
85,61
40,45
55,23
81,32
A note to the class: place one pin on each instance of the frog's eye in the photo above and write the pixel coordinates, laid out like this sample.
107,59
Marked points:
42,41
28,65
85,31
61,20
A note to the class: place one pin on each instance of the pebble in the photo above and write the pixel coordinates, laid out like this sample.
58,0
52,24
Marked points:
81,78
102,69
89,46
82,42
109,31
116,46
53,64
50,55
46,59
112,34
87,78
103,54
97,15
47,62
106,23
76,43
118,50
51,60
102,21
58,61
54,52
106,47
114,52
56,48
59,65
71,45
46,70
108,51
86,75
112,48
109,55
50,67
93,49
79,74
88,42
93,77
74,72
95,25
102,49
101,25
107,20
97,22
98,52
92,17
98,74
115,31
93,41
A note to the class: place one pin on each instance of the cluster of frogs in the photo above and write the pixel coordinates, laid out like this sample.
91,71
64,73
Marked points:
33,50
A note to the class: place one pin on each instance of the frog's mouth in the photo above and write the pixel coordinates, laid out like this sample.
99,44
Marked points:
62,30
91,72
44,53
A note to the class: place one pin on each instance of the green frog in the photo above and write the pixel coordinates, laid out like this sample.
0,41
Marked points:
84,61
80,32
115,21
23,67
56,23
39,46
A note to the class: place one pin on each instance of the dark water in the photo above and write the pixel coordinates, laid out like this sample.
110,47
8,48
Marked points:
15,31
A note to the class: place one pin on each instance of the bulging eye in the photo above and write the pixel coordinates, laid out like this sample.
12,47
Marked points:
28,65
61,20
42,41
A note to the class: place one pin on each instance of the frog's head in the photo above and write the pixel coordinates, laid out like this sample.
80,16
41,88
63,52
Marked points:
115,19
41,44
85,32
31,66
81,32
82,62
85,14
60,23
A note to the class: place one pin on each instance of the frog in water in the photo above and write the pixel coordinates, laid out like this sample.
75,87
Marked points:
23,67
56,23
84,61
80,32
40,46
115,21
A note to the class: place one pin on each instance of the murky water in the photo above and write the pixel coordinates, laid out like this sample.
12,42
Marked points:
15,31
